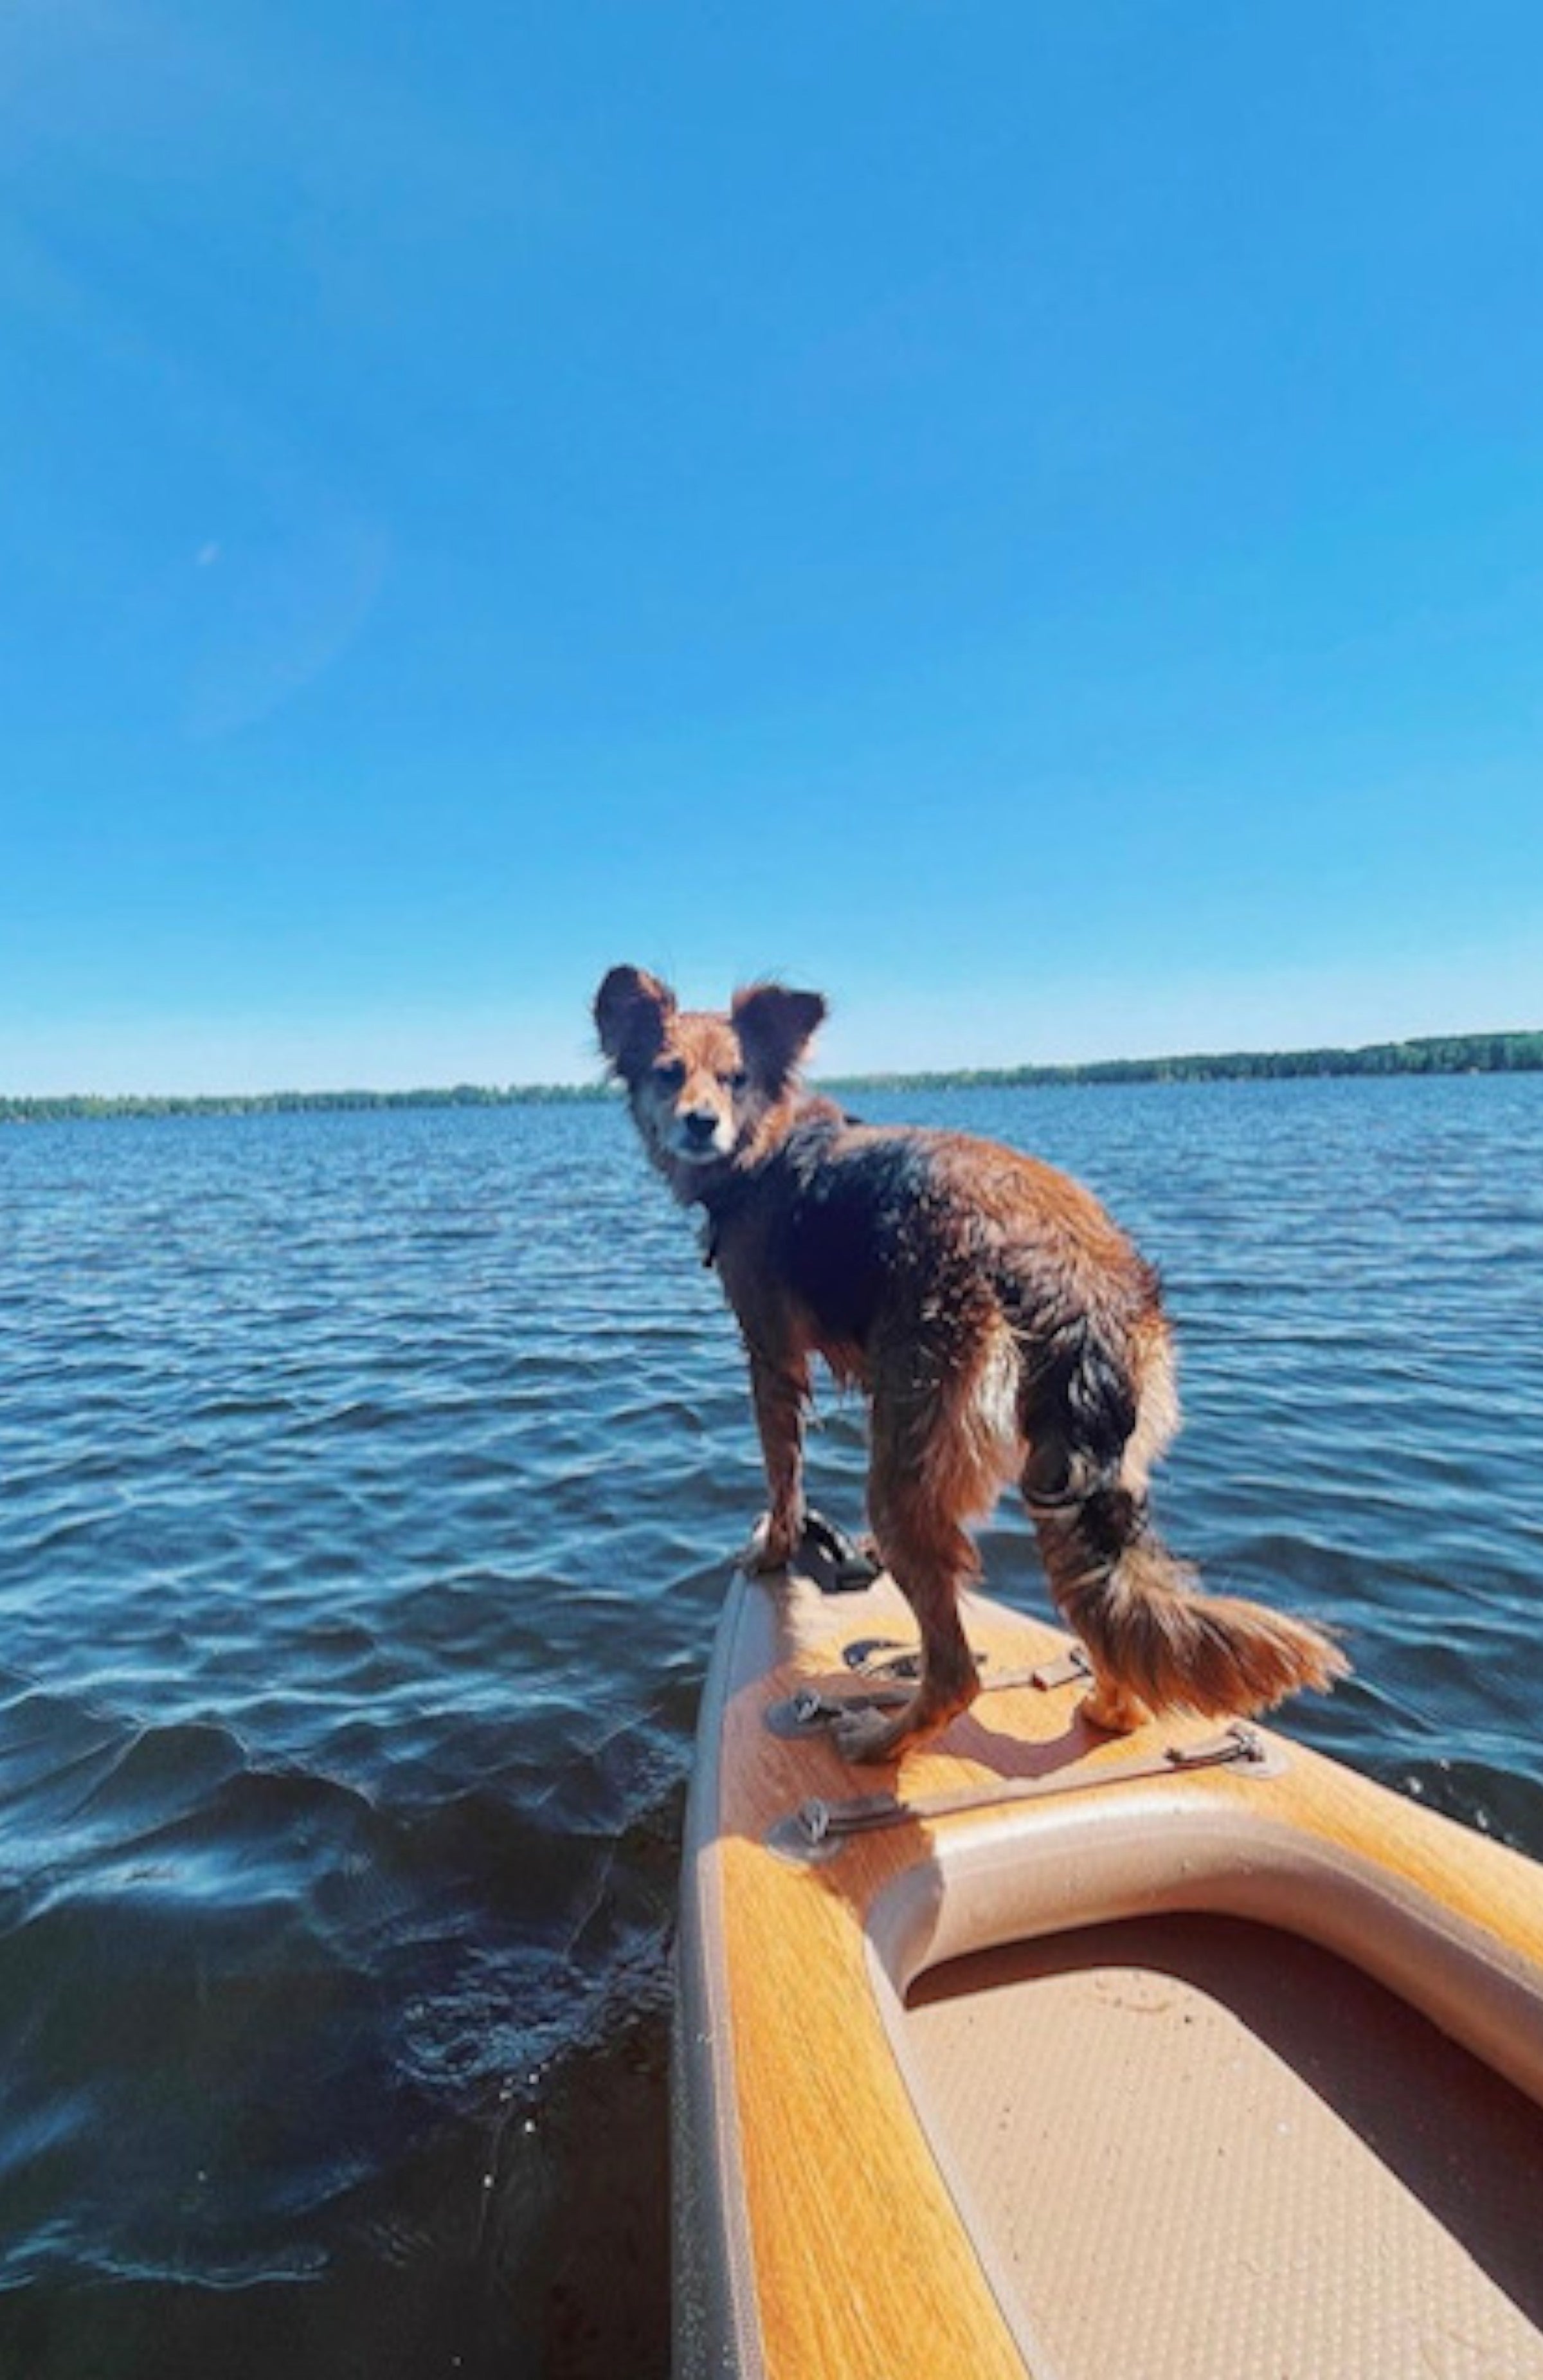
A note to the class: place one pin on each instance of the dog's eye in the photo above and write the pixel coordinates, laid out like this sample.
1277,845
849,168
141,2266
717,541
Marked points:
734,1081
669,1074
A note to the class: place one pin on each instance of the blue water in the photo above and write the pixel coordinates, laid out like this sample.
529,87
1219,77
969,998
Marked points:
367,1483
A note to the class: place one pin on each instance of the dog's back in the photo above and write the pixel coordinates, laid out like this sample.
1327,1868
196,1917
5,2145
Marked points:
878,1248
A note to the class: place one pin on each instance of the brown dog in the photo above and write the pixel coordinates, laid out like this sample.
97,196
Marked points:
1003,1329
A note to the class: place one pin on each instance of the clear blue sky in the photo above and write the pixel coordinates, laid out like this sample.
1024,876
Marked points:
1026,516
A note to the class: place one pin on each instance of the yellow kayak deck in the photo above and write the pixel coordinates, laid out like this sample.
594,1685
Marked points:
1182,2055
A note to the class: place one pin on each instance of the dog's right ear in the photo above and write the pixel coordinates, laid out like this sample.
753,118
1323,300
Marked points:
631,1012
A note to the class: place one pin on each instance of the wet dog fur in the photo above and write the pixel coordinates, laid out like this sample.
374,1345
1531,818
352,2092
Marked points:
1003,1329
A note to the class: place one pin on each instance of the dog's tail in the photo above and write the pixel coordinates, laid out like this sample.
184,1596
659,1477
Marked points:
1152,1628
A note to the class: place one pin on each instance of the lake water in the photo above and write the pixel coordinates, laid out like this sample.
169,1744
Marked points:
366,1488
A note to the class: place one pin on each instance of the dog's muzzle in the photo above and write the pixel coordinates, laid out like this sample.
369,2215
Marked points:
697,1135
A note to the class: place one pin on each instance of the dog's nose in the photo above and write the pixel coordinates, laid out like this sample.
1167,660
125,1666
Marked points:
700,1124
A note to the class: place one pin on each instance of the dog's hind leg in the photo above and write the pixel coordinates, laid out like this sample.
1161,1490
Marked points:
1155,1640
1089,1543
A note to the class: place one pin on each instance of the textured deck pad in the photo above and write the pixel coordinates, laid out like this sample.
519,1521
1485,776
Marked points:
1195,2149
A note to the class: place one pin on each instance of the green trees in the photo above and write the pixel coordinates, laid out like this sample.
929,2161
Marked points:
464,1095
1452,1053
1457,1053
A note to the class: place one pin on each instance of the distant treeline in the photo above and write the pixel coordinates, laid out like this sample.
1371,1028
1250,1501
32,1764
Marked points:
464,1095
1452,1053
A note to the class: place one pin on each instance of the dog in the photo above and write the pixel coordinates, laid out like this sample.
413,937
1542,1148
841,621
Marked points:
1003,1329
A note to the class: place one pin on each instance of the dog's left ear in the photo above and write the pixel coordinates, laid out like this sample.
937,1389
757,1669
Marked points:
775,1026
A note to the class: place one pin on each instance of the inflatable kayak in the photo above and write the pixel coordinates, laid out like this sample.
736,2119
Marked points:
1187,2055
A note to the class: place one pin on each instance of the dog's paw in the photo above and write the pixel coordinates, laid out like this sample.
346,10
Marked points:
1113,1708
772,1546
866,1736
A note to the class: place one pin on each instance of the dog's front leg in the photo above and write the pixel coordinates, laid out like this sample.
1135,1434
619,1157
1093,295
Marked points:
931,1559
781,1394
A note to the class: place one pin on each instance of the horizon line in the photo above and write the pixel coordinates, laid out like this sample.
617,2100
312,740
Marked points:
1320,1059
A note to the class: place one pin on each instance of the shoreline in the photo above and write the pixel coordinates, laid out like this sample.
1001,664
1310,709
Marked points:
1461,1053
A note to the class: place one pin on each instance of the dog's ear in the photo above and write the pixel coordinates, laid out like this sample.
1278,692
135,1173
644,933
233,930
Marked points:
631,1012
775,1026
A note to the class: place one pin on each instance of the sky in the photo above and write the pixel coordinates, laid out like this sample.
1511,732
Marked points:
1027,517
